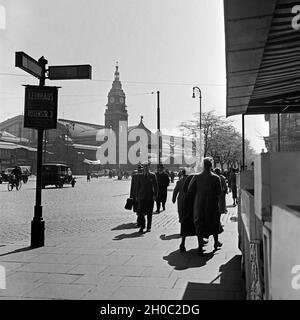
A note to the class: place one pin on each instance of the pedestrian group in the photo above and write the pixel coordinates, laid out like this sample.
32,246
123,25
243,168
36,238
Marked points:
201,199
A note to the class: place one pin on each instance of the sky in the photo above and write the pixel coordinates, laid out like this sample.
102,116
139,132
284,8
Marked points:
168,46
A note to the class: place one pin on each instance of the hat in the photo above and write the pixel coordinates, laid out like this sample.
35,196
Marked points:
160,166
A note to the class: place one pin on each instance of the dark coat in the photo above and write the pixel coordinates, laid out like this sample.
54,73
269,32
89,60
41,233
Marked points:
207,187
222,196
163,182
134,190
185,211
146,192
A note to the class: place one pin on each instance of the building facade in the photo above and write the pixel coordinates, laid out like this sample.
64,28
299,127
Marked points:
76,143
289,132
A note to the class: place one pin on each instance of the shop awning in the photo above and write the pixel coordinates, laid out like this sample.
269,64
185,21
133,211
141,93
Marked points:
262,57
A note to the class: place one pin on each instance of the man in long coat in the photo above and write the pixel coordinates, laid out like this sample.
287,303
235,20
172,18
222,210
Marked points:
163,182
224,190
146,195
206,187
134,191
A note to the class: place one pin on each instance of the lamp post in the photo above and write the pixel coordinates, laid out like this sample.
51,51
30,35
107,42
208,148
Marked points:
200,97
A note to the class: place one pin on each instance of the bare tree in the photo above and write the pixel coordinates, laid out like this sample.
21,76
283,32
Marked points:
221,140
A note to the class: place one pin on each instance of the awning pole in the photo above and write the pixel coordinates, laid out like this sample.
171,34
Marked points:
243,142
278,132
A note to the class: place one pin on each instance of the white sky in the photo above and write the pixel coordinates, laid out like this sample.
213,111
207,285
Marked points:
157,44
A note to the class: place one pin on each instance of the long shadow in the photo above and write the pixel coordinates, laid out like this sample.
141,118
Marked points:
16,251
229,285
189,259
128,236
170,237
125,226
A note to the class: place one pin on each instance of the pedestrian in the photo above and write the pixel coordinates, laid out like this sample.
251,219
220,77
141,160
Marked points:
224,190
134,192
185,213
172,176
207,187
163,182
146,195
232,182
88,177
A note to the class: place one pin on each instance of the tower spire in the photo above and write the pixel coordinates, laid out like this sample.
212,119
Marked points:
117,73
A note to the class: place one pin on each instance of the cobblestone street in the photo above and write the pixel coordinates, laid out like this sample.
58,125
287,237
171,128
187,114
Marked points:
89,207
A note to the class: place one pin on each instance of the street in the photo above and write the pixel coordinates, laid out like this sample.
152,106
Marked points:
88,207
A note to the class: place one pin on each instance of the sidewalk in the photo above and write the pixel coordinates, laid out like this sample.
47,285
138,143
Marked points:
124,264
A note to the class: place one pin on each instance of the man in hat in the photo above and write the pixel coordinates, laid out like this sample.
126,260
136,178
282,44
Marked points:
146,195
163,182
134,191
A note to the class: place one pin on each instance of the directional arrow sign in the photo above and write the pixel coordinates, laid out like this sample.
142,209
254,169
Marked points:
70,72
28,64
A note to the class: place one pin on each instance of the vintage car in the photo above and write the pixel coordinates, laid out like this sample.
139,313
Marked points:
57,174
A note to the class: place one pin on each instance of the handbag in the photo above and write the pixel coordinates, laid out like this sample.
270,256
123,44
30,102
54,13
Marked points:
129,204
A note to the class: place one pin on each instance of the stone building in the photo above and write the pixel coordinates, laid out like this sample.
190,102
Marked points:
73,141
289,128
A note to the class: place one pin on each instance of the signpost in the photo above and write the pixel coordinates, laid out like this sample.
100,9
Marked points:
41,113
28,64
40,107
70,72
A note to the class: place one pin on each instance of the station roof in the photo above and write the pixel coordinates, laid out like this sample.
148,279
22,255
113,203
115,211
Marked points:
262,57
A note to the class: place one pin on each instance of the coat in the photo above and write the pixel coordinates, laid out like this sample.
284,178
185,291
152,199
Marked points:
185,211
134,190
181,196
146,192
163,182
207,187
222,196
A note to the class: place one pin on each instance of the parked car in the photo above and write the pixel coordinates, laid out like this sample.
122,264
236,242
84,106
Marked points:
57,174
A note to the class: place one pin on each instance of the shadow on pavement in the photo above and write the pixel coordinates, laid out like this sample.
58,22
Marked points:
170,237
125,226
128,236
16,251
229,284
186,260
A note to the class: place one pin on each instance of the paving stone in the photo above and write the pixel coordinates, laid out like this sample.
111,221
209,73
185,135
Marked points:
59,278
137,293
59,291
46,267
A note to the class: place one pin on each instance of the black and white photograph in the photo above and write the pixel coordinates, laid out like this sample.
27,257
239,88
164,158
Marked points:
149,151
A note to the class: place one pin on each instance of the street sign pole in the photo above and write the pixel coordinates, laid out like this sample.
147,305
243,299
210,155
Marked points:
38,224
41,114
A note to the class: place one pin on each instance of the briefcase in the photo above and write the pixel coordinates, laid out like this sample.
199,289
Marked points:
129,204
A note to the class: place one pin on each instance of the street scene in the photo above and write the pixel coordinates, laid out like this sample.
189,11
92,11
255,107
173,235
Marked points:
94,249
149,152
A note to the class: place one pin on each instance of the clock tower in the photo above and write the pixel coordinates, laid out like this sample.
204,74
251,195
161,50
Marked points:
116,107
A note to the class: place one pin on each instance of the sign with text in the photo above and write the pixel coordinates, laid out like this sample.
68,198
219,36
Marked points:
40,107
70,72
28,64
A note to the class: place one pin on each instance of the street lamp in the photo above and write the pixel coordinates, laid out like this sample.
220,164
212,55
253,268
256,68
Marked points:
200,97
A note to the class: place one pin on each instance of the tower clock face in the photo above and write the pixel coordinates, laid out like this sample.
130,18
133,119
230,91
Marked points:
111,99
